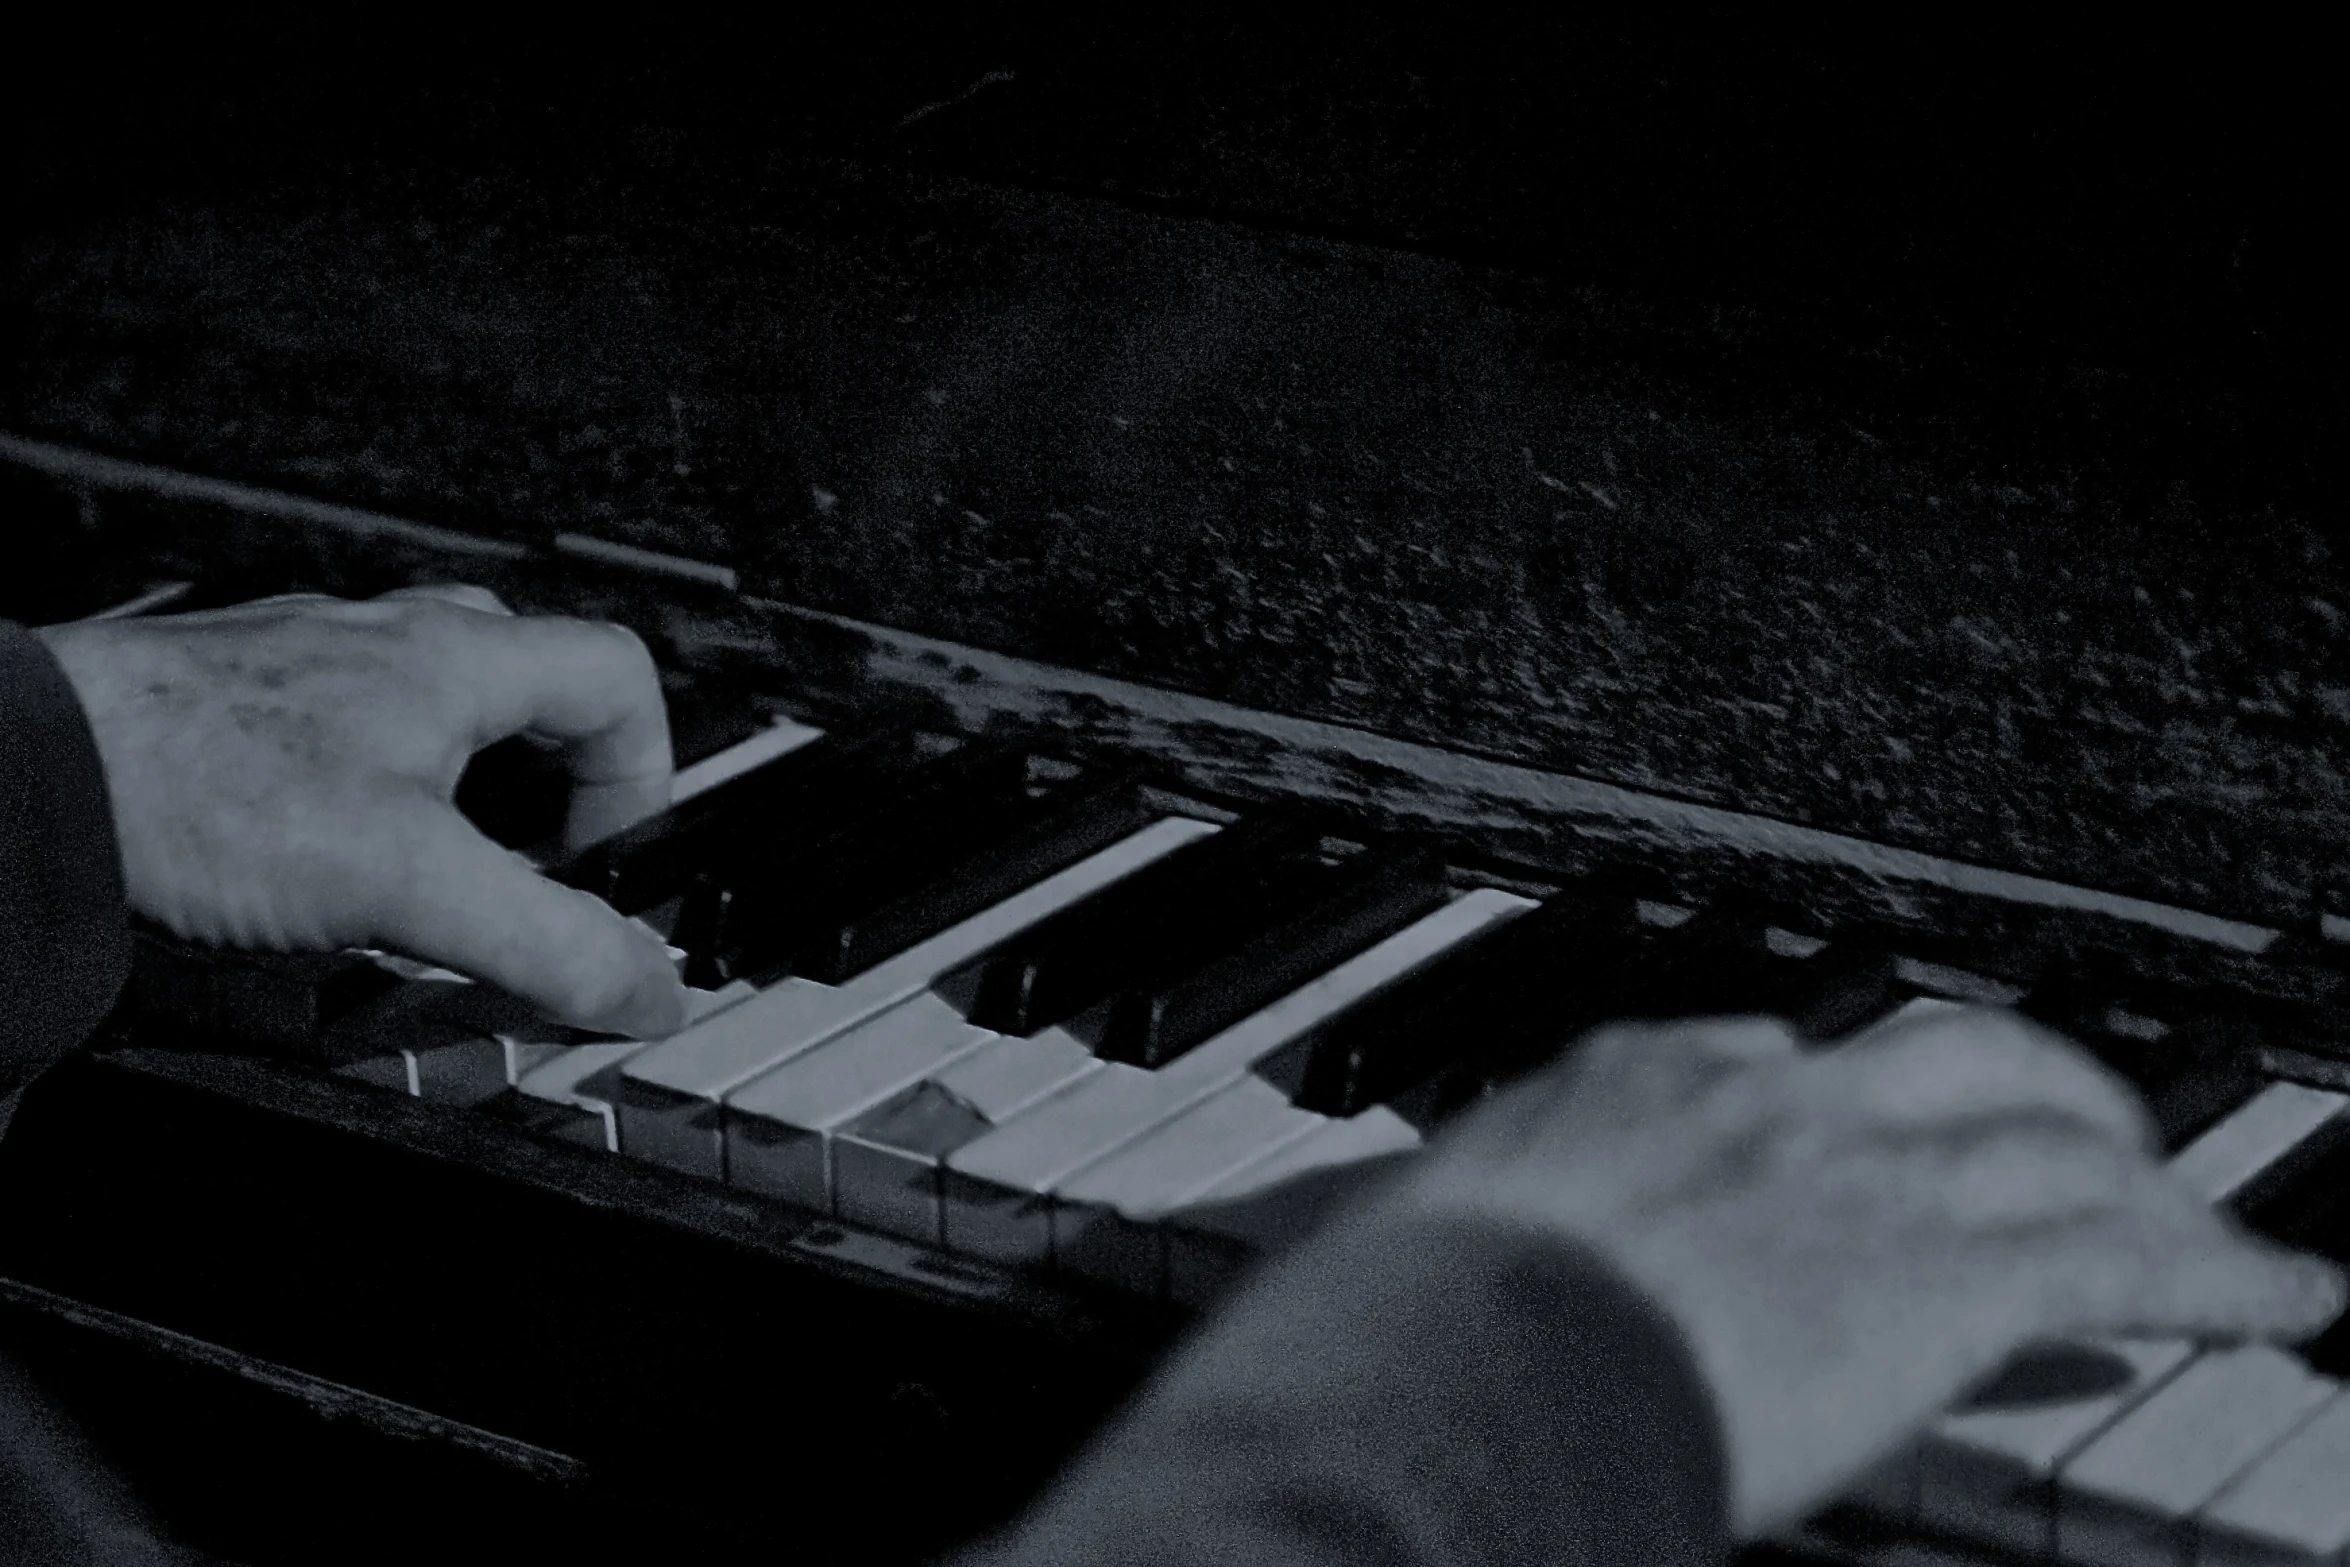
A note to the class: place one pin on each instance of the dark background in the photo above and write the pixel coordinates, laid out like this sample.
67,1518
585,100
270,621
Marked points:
1929,434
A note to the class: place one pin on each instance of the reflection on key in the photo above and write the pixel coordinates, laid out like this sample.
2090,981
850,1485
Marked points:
1105,1217
996,1194
887,1163
2293,1504
779,1126
2127,1497
670,1094
1985,1474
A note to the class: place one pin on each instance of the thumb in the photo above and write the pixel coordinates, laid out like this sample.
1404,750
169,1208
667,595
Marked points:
469,905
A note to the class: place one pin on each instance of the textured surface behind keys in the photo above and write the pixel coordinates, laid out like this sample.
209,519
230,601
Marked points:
1860,550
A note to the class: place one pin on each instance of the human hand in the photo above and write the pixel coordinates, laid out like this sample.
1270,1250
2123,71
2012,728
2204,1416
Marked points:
282,773
1850,1240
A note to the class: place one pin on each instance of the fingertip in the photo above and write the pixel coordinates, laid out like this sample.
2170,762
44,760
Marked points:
2257,1289
655,1009
2313,1293
656,1004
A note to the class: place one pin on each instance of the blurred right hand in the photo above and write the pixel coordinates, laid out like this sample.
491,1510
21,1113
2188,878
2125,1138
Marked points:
1851,1240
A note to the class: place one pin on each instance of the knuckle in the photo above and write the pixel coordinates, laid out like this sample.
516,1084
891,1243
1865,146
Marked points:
632,646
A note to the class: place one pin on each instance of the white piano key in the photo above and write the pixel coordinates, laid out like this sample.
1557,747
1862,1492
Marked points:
1208,1245
1105,1217
1985,1474
1367,1135
1243,1123
2126,1498
2253,1136
669,1104
2296,1500
780,739
996,1188
779,1126
995,1191
586,1077
1015,1073
886,1165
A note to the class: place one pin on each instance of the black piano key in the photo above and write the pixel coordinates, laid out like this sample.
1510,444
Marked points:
1482,1003
696,928
1720,962
807,791
785,898
1844,989
1171,914
1069,825
1334,916
2191,1059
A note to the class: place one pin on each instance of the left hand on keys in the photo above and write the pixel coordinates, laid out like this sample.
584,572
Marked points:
282,774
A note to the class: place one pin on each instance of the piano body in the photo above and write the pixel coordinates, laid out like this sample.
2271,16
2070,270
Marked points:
1183,681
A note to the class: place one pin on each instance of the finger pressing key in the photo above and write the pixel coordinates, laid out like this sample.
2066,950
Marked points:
470,904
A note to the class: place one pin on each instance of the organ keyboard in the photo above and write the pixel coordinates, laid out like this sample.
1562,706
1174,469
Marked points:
1008,1054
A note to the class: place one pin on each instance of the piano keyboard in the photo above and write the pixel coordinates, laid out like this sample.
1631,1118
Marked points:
1029,1016
999,1010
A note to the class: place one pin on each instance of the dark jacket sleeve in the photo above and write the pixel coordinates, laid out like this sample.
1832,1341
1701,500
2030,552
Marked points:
1406,1392
65,943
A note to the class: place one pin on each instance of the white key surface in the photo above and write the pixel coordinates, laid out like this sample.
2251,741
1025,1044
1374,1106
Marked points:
854,1071
1187,1153
1365,1135
1968,1458
1035,1151
556,1074
2299,1495
1014,1073
707,1060
2186,1440
1074,1127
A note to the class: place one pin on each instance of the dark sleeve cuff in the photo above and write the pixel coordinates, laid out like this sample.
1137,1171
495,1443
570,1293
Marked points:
1410,1392
65,944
